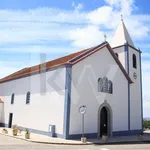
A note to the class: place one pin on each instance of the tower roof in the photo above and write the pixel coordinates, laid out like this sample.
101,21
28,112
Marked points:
121,36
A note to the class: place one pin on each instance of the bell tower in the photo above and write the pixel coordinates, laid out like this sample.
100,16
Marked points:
130,57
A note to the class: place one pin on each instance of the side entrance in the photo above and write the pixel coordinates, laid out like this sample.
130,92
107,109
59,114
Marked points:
10,120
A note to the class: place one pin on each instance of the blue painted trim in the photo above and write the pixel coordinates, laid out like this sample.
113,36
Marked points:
127,132
2,124
128,106
78,136
86,52
67,102
129,46
141,92
39,131
127,50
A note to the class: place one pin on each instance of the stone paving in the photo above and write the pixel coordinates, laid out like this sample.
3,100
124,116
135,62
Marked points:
37,138
9,143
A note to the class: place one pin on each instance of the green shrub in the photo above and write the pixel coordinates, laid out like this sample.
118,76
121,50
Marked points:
146,124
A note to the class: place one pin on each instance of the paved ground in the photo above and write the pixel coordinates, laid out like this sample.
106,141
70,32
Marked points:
9,143
46,139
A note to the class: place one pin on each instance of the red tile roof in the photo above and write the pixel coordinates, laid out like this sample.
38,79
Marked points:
37,68
69,59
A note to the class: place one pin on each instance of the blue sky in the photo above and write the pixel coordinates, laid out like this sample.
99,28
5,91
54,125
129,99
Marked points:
28,28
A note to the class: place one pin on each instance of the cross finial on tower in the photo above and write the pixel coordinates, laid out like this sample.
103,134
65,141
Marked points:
121,17
105,37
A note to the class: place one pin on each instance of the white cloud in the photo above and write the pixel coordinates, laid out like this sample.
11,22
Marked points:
39,48
96,17
126,6
73,4
62,26
78,6
87,36
9,67
146,55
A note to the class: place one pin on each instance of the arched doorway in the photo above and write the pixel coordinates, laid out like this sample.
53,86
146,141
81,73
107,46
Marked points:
105,115
103,122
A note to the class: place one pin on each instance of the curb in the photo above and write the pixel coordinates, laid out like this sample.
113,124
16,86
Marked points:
46,142
91,143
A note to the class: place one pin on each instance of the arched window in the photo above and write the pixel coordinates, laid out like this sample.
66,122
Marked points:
105,84
12,98
110,87
100,85
28,98
116,54
134,60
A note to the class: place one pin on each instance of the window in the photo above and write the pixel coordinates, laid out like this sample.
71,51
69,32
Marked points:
100,85
28,98
110,87
12,98
116,54
134,60
105,84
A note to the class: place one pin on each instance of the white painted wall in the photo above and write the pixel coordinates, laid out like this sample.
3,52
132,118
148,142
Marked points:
1,112
122,55
46,108
135,92
84,91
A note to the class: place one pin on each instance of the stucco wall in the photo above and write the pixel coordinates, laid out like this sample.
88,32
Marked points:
135,92
46,106
84,91
1,112
122,55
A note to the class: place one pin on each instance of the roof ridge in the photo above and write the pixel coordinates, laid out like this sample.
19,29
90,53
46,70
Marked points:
88,50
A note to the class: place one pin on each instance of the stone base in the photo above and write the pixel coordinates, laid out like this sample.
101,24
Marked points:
104,138
83,139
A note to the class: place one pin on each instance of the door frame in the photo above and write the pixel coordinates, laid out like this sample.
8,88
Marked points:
103,120
109,118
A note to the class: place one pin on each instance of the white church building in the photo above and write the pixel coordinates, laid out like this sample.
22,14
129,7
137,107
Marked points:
106,79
